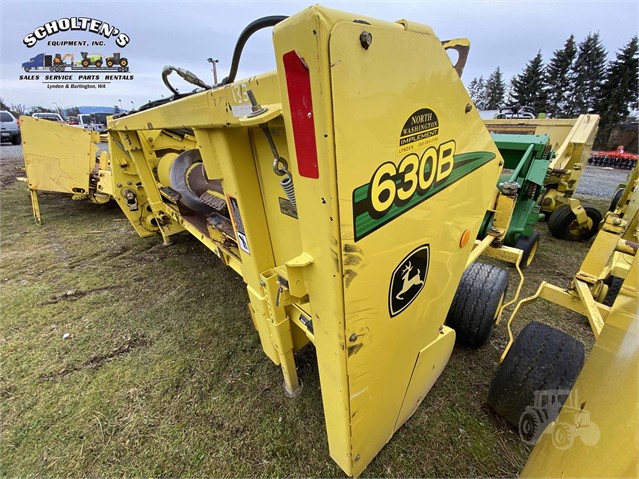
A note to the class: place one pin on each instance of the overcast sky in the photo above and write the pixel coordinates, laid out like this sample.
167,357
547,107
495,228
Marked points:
182,33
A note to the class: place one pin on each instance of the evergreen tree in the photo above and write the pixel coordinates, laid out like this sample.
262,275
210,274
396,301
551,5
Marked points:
589,73
510,92
495,89
72,111
559,76
619,92
529,85
477,91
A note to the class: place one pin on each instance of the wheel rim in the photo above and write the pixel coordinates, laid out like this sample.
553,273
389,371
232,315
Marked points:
573,228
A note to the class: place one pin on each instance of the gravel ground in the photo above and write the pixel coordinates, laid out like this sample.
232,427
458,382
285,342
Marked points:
601,181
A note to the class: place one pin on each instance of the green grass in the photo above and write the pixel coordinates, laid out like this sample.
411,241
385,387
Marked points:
163,374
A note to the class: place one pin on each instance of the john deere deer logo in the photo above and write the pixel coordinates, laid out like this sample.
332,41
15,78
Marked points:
408,279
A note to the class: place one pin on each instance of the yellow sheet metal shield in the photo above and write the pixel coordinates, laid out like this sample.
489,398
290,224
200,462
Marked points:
414,170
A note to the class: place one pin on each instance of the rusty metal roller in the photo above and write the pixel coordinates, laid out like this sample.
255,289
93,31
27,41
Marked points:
188,178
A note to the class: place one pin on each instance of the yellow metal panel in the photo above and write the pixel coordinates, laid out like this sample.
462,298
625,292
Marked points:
278,210
592,311
401,158
307,33
503,214
240,182
430,363
577,146
55,165
599,253
124,177
206,109
557,129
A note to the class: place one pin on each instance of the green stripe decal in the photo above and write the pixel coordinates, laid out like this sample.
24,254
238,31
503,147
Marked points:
365,224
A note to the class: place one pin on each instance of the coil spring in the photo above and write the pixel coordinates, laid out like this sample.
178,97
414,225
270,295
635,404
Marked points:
287,186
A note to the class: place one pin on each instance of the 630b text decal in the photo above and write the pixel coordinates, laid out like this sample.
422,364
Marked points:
424,169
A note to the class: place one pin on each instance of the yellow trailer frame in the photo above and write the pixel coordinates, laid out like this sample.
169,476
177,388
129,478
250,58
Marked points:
611,255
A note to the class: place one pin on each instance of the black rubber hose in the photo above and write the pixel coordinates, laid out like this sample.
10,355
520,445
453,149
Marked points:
250,29
166,71
192,78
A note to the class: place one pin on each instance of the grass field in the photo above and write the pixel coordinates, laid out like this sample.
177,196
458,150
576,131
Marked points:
122,357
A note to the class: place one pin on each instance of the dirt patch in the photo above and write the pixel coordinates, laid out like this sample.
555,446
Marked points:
99,360
74,295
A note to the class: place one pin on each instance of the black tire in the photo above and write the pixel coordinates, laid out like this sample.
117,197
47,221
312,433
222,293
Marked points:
16,140
98,64
542,358
529,245
615,199
563,223
27,69
614,286
477,300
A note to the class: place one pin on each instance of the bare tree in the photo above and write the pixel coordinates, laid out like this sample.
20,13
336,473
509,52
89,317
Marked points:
18,109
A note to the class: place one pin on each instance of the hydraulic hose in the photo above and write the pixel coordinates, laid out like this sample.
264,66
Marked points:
250,29
192,78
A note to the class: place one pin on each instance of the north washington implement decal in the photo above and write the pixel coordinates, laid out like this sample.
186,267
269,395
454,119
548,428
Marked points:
425,167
